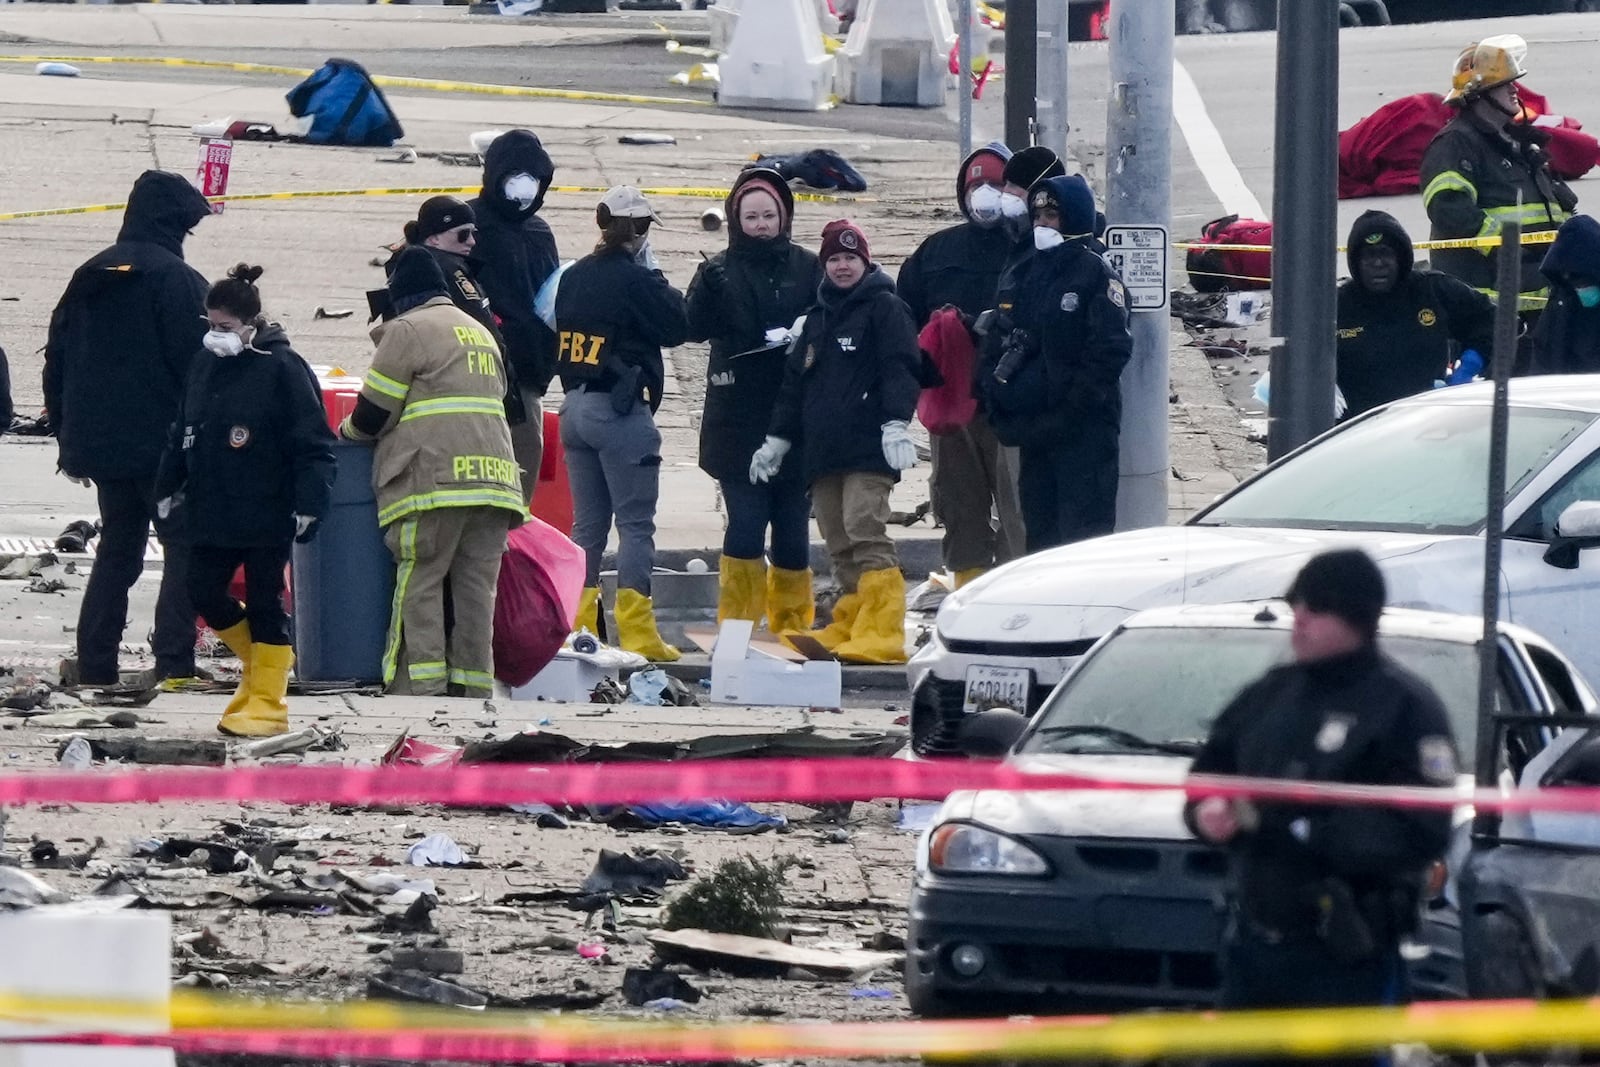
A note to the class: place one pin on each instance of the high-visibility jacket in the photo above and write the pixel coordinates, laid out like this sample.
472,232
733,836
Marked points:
439,376
1474,180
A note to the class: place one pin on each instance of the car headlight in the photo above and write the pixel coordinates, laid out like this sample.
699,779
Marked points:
962,848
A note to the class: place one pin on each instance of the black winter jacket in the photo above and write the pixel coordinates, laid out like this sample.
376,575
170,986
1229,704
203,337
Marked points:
854,368
7,408
517,254
122,337
766,284
1397,343
1567,338
251,448
960,265
1074,311
1359,718
614,315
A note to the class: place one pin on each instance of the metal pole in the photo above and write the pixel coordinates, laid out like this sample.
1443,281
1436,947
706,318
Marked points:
1508,284
1139,193
964,11
1022,30
1051,57
1304,188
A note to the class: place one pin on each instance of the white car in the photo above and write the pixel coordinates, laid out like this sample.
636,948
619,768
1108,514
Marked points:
1406,482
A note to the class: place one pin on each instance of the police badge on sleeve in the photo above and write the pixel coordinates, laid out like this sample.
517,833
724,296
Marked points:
1436,757
1117,292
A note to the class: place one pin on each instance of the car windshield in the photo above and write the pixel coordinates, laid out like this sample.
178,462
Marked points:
1159,690
1410,468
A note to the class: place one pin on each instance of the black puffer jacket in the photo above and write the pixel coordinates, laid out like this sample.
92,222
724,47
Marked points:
252,448
766,284
1567,338
854,369
517,253
960,265
123,335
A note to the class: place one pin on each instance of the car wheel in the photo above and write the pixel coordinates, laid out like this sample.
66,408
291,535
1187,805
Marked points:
1506,967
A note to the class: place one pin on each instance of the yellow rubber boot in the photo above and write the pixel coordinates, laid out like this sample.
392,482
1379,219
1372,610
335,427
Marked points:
588,611
879,633
837,632
970,575
636,628
237,638
790,603
741,589
266,713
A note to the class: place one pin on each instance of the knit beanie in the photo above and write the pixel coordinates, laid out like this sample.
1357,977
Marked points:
842,235
1345,582
759,182
440,214
1032,164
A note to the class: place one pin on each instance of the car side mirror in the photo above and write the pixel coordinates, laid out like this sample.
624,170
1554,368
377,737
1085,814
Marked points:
1579,766
1577,529
989,734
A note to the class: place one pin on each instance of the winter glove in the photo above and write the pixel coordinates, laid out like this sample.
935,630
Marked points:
1470,366
898,449
768,458
305,528
779,336
714,276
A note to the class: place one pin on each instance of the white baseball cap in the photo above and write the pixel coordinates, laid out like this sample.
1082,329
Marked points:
626,202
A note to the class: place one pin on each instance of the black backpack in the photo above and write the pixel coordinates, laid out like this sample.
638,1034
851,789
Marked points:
346,108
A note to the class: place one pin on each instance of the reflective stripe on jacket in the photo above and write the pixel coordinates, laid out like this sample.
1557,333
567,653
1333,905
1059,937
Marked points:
441,379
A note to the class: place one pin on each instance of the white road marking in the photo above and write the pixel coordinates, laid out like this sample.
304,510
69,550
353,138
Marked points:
1208,150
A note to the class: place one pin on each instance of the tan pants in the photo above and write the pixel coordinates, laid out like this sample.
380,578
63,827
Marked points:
852,512
465,546
527,443
975,498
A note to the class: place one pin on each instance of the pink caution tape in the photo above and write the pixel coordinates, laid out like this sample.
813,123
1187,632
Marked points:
799,781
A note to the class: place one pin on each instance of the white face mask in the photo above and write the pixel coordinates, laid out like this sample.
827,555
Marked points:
1046,238
523,189
1012,206
223,342
984,204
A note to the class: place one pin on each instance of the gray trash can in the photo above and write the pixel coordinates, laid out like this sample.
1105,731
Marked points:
344,581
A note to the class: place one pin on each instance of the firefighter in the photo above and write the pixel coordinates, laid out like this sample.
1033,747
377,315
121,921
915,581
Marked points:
1485,168
1054,391
252,417
615,311
974,475
446,479
1397,323
1320,895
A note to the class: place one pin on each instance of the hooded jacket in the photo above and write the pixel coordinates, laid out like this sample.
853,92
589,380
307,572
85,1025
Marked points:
853,369
1073,310
959,265
123,334
1567,338
517,252
7,409
1397,344
766,284
251,448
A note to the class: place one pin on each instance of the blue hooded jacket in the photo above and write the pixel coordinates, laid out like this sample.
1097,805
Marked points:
1567,338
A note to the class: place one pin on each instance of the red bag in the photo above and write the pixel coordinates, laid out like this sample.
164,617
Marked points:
948,407
1213,270
536,600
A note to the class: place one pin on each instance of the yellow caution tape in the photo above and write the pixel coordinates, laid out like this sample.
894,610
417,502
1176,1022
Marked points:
381,80
709,193
1485,1026
1540,237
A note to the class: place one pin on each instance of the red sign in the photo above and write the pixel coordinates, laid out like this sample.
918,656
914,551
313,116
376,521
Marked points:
216,156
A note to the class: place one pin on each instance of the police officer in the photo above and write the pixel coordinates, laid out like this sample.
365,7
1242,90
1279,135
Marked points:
1486,168
446,480
614,312
1397,323
1322,895
1054,390
447,228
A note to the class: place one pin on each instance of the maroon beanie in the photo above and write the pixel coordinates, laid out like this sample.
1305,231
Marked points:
842,235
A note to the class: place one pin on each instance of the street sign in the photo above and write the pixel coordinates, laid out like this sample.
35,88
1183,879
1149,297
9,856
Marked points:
1139,255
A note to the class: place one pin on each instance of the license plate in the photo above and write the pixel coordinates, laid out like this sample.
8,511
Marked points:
998,687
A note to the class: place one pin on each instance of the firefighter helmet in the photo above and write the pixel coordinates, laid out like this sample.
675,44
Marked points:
1492,61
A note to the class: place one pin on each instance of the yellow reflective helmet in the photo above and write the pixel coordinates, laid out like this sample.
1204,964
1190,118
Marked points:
1490,62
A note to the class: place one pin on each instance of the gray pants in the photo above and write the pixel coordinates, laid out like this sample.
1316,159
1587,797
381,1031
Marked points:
614,465
527,442
974,492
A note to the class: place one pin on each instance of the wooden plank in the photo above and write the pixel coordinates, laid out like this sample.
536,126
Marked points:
731,951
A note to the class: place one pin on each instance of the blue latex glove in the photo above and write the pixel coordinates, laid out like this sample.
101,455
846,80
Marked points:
1470,367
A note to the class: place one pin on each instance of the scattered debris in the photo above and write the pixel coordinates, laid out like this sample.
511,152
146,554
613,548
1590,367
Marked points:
76,537
313,738
84,718
438,850
76,755
419,987
820,168
338,313
658,688
642,988
431,960
26,696
647,139
762,957
742,896
56,70
19,889
168,751
621,873
716,814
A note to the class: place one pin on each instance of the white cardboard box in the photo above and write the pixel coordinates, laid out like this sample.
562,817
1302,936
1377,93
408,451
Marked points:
741,674
569,677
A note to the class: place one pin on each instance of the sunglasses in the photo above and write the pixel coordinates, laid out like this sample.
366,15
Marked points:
641,226
465,234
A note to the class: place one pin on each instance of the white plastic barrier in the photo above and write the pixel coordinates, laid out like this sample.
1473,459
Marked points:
776,58
723,17
71,952
898,52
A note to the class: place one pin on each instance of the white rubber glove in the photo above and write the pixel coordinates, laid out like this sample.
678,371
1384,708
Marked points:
898,448
768,459
302,523
164,507
779,335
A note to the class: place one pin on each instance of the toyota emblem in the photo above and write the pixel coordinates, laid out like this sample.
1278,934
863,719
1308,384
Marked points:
1016,622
